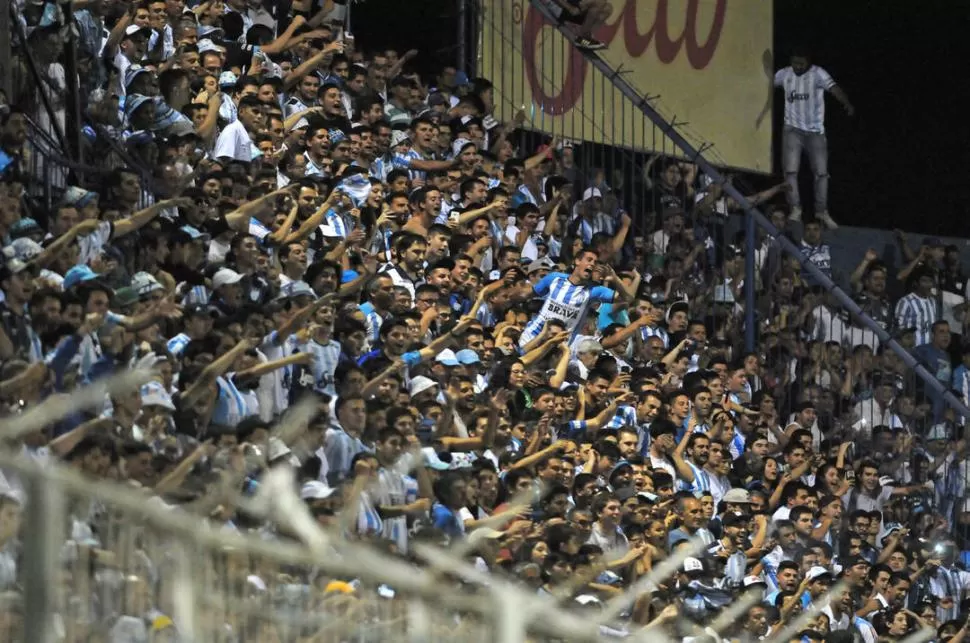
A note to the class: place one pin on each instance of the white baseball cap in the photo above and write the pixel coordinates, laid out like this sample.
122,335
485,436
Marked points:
225,277
315,490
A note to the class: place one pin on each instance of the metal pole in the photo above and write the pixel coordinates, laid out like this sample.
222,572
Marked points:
6,54
35,73
347,19
462,35
620,82
73,106
44,511
750,316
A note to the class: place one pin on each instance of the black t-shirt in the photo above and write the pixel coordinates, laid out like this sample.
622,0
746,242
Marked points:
662,198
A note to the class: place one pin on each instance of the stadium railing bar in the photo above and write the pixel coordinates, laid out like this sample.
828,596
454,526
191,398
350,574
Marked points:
623,154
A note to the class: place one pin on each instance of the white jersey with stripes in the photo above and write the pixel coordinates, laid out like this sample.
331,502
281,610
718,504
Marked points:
565,302
805,97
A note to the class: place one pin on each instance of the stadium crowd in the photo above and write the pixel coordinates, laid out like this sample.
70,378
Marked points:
503,353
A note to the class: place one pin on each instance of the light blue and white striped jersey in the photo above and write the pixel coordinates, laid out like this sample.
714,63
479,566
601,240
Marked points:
394,489
564,301
625,416
373,322
340,448
294,105
381,167
403,162
702,481
820,255
734,566
90,246
867,633
176,345
197,296
90,349
599,222
961,382
281,378
805,97
231,407
312,169
646,332
369,521
737,444
325,358
522,195
917,312
258,230
338,222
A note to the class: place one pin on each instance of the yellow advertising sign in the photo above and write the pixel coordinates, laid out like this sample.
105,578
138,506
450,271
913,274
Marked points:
707,63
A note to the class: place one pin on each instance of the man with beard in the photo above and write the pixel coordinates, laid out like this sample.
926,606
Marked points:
729,550
439,276
700,414
45,310
689,458
410,249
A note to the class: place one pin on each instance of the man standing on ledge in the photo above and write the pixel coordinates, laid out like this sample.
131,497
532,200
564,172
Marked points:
805,85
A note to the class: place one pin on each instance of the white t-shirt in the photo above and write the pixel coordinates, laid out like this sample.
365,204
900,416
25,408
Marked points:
234,142
614,544
90,246
805,97
529,249
122,64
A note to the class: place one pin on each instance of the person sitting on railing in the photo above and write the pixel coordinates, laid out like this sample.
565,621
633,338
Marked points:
584,17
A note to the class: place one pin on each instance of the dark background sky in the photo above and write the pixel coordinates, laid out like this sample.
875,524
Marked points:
902,161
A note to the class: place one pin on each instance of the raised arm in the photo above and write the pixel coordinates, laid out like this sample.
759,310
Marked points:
238,219
53,250
292,324
282,234
215,369
280,44
141,218
625,291
268,367
311,63
860,270
683,469
313,221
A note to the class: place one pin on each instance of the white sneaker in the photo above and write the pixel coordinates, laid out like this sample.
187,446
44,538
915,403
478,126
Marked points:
827,221
796,214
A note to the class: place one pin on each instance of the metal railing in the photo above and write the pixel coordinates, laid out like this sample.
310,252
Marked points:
103,562
867,387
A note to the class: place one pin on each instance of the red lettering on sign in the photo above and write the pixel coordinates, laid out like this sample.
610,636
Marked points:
574,75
